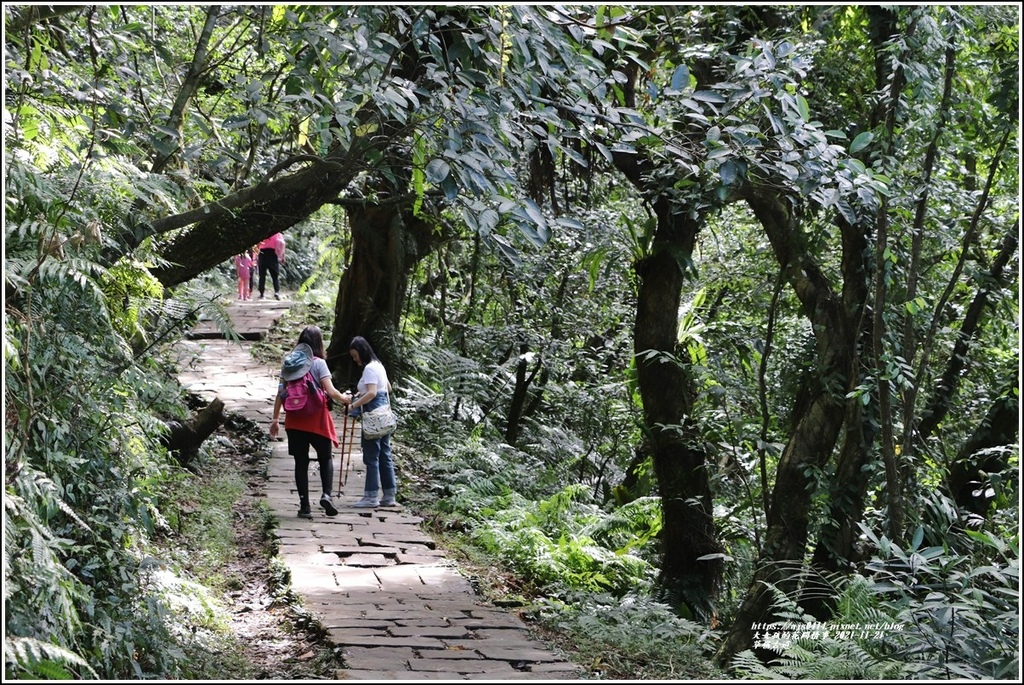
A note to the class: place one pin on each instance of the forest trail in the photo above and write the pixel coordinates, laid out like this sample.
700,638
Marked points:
397,608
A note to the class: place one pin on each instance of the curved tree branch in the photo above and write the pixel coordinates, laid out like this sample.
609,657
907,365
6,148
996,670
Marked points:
193,79
227,205
28,16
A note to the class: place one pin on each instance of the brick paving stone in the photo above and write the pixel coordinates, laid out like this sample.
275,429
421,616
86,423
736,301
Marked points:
482,666
366,560
377,658
507,634
423,621
448,654
399,576
468,645
359,607
353,577
397,614
492,620
330,620
333,547
345,636
522,653
429,631
395,675
518,648
419,557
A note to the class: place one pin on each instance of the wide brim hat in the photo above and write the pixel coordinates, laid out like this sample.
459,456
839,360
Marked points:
297,362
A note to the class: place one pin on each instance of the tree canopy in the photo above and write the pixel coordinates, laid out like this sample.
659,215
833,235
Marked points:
744,279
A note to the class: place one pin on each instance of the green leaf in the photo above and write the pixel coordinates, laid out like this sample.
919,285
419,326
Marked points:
861,142
708,96
729,171
918,538
680,78
450,188
533,211
803,108
488,221
438,170
847,211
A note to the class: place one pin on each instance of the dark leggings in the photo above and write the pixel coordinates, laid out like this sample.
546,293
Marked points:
299,443
268,261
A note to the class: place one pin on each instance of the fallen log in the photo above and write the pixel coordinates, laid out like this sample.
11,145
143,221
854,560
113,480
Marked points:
183,439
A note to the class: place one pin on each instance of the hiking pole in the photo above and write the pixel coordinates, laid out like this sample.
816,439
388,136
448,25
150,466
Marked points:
341,462
351,439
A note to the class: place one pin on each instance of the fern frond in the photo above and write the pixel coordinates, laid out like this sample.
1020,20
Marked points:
628,527
28,657
452,375
747,666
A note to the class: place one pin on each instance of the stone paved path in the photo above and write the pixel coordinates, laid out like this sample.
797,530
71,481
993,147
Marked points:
397,607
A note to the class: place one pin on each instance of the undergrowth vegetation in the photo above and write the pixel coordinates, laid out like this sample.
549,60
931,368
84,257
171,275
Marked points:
922,613
581,566
585,569
113,551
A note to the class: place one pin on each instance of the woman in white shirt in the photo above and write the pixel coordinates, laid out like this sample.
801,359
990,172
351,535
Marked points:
372,391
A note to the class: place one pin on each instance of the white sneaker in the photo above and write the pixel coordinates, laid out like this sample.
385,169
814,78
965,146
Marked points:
367,503
388,502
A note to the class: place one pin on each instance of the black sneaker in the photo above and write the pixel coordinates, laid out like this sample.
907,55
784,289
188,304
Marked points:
304,510
328,505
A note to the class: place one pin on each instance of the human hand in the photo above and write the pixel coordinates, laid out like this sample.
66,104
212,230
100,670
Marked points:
274,429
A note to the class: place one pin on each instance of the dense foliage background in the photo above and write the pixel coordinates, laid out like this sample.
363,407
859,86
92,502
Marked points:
701,318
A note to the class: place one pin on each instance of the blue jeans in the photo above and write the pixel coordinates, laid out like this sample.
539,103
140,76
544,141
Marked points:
380,469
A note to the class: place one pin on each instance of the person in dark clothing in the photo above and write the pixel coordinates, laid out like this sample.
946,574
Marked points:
270,259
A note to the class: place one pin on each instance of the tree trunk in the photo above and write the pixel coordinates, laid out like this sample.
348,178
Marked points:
193,79
835,549
817,426
387,243
667,389
967,474
847,494
518,404
942,396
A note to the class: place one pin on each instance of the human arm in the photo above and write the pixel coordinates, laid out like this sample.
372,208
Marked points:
364,398
275,422
328,385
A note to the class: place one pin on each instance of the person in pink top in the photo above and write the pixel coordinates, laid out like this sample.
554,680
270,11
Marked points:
270,259
243,267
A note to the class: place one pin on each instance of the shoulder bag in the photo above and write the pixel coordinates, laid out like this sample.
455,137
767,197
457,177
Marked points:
379,422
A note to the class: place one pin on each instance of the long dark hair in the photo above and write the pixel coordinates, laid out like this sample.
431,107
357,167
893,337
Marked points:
363,349
314,337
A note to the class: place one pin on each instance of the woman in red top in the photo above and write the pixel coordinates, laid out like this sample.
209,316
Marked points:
316,431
